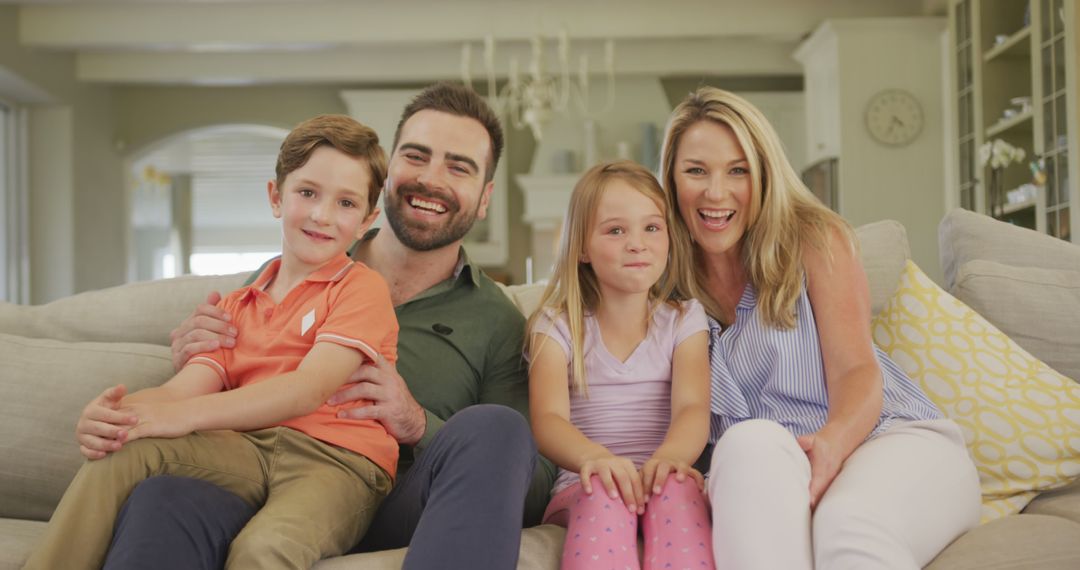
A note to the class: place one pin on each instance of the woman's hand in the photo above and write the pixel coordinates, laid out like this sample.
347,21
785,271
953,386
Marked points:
618,476
826,459
103,427
656,470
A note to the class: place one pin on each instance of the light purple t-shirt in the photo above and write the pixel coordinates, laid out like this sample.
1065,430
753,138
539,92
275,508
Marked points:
628,409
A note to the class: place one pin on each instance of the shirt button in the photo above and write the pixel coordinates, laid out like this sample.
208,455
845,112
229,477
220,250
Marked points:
268,313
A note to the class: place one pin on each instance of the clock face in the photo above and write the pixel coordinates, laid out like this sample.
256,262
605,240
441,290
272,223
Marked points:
894,117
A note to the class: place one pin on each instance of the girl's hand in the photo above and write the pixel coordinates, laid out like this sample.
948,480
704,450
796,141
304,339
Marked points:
158,419
103,428
656,470
619,477
825,462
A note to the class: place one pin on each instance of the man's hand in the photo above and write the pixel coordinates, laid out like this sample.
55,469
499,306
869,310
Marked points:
619,478
207,329
103,427
392,404
825,463
158,419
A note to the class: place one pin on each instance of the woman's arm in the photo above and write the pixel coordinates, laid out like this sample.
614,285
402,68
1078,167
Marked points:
840,296
325,368
562,442
689,429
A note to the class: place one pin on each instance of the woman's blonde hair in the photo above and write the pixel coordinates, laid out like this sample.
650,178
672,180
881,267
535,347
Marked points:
573,289
784,216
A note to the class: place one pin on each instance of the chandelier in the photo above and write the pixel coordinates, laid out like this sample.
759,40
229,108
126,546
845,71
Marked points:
530,100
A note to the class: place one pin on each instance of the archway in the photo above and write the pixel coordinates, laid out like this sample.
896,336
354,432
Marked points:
197,202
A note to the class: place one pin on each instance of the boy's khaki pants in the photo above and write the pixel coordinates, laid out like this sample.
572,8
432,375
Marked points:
317,499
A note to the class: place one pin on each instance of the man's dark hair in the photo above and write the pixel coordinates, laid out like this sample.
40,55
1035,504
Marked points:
463,102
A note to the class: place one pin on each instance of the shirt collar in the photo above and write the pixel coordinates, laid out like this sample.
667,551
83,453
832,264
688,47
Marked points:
331,271
463,267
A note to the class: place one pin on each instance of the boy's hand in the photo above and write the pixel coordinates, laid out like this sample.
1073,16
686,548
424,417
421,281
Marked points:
208,328
103,427
655,471
619,477
392,404
159,419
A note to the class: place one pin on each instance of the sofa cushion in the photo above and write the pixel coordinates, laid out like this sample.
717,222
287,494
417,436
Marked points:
1063,503
136,312
1016,542
44,385
541,548
884,250
1038,308
964,236
17,539
1020,418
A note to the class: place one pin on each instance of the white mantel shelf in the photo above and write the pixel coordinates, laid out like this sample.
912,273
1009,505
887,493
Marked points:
546,198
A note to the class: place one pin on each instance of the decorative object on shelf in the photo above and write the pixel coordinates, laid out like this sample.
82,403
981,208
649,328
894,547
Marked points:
1038,171
998,154
894,117
531,100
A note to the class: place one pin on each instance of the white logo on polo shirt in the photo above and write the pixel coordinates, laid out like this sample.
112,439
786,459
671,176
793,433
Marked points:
307,322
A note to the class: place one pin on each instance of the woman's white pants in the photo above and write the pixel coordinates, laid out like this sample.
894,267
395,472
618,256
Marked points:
899,499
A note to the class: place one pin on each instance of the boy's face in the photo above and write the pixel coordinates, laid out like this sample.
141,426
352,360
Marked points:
323,206
435,190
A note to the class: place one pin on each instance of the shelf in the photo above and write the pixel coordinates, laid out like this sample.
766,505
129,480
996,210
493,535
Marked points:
1018,45
1016,207
1008,124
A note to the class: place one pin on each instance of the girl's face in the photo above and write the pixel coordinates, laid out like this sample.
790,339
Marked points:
713,186
627,242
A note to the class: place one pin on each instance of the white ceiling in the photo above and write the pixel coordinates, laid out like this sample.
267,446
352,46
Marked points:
386,41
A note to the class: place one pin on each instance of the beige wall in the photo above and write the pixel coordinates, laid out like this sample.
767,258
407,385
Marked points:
146,115
80,115
876,181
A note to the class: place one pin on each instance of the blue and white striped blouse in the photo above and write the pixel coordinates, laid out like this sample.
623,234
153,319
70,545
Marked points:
760,372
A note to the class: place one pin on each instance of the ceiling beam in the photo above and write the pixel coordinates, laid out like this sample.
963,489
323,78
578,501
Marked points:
399,63
245,26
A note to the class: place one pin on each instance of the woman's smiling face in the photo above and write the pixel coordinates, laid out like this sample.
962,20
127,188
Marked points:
713,186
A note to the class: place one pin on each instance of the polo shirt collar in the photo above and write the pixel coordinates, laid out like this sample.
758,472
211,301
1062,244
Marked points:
331,271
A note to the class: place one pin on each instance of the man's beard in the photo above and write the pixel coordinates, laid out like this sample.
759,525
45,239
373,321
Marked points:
427,236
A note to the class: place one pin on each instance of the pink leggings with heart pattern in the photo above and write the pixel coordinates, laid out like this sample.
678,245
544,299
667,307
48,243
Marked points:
601,533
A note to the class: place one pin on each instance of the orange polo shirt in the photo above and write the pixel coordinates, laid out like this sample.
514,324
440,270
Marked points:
343,302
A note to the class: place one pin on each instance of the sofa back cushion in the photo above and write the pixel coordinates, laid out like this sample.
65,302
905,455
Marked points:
1038,308
137,312
44,385
964,236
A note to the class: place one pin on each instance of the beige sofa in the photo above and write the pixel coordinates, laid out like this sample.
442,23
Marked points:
55,357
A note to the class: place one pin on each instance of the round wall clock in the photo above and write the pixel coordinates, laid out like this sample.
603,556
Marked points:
894,117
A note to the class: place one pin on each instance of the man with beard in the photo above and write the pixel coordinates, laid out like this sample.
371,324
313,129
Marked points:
466,464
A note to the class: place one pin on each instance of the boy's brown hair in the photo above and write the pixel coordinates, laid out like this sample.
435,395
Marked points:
341,132
463,102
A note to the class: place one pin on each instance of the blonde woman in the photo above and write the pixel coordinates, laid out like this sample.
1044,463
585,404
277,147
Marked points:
826,455
618,382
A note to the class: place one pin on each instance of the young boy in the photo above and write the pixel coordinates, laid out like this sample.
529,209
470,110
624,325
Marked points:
305,325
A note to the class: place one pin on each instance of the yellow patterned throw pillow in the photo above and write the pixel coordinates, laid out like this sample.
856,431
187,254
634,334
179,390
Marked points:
1020,418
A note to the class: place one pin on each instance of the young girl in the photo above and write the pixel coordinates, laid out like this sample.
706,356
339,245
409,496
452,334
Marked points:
618,382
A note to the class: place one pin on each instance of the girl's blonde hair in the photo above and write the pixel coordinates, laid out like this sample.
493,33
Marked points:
784,216
573,289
